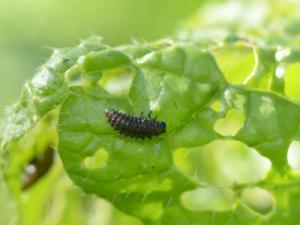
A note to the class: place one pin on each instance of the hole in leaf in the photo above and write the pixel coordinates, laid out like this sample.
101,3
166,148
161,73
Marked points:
222,163
210,198
98,160
235,62
156,184
152,210
258,199
117,81
292,81
217,106
294,155
76,79
231,124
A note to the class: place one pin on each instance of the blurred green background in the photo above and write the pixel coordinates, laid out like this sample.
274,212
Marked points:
30,28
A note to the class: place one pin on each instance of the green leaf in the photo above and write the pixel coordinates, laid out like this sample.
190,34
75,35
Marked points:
180,81
44,92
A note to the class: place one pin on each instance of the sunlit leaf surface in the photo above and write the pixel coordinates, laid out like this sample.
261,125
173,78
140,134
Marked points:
230,151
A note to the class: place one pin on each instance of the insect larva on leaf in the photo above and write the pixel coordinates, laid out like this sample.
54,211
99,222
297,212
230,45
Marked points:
135,126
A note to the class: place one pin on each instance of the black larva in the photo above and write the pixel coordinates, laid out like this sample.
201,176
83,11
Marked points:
135,126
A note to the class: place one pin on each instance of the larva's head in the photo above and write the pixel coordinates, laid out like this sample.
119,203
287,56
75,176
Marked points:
161,127
108,112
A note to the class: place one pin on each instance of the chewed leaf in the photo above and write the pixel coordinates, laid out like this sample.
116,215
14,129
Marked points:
47,89
157,130
182,97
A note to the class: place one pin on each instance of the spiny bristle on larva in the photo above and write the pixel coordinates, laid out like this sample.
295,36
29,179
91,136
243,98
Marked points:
135,126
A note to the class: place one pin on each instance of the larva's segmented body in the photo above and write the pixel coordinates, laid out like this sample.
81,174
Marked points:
135,126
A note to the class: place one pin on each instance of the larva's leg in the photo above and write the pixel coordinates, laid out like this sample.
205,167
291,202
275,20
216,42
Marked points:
142,115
